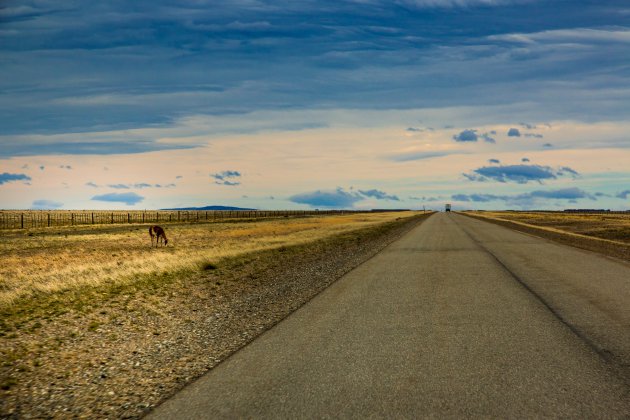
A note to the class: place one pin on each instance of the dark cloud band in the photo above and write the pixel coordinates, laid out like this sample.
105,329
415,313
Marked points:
520,174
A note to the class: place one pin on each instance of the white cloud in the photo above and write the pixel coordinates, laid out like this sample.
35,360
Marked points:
577,35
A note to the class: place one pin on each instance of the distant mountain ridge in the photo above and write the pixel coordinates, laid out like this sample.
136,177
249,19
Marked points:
210,208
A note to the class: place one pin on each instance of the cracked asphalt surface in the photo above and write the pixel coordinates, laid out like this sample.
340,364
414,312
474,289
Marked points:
459,318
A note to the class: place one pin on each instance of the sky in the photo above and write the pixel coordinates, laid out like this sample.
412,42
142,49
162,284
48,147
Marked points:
362,104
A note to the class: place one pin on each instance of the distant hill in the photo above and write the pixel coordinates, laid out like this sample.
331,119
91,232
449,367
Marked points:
210,208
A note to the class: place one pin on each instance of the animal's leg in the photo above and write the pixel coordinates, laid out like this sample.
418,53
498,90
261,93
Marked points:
151,235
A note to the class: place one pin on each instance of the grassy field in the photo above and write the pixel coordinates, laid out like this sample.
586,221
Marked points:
612,227
42,262
90,312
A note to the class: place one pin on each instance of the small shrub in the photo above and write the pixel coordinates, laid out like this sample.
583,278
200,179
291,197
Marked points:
7,384
208,266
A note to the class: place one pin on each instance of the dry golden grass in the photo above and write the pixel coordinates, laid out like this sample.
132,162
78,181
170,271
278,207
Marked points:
612,227
50,260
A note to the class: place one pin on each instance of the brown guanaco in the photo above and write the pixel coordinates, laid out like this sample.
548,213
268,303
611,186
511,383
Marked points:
158,233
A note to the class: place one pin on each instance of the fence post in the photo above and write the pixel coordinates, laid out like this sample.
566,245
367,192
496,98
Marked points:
143,217
112,218
129,218
22,220
72,219
48,219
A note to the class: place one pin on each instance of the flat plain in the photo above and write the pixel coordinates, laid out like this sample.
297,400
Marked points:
95,322
41,262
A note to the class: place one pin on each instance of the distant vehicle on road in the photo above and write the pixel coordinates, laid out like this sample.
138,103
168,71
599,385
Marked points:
447,207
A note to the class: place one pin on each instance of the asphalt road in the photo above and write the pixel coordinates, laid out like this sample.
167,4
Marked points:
459,318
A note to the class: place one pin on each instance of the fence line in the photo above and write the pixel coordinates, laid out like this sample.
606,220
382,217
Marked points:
43,218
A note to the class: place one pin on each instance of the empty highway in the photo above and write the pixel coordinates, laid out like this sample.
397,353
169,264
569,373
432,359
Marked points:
458,318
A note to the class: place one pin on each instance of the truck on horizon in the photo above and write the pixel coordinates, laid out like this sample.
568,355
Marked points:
447,207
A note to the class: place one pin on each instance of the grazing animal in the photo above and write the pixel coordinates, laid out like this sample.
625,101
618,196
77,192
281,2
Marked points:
158,233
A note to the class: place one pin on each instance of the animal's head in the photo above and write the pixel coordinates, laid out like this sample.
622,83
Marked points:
165,242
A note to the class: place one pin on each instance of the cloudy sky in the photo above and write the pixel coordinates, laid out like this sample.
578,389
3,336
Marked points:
276,104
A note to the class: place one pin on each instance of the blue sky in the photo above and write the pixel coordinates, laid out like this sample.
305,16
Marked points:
285,104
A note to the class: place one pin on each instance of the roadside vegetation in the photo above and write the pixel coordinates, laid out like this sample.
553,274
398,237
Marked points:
613,226
40,262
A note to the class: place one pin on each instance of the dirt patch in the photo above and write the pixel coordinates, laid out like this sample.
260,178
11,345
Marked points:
126,351
569,230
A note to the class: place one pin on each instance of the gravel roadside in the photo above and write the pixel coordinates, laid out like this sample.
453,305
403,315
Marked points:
124,355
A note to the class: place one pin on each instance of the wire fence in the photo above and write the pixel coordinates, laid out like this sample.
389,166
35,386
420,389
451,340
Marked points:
10,219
